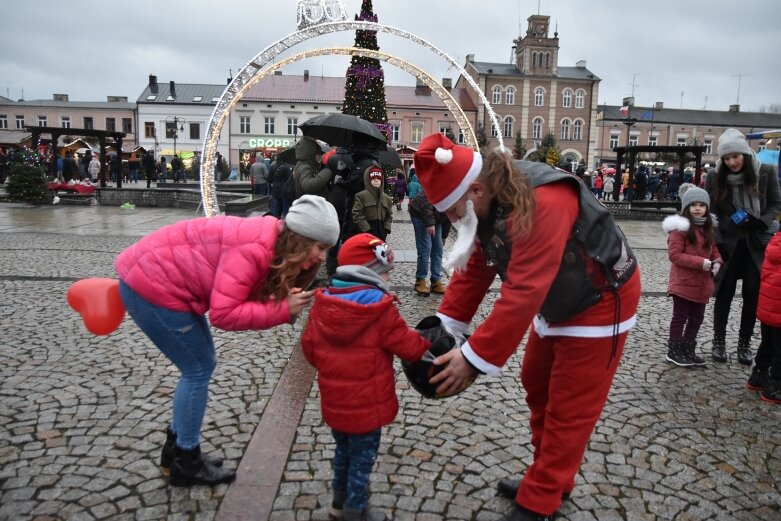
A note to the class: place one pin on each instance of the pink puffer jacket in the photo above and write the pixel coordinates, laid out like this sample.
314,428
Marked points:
208,264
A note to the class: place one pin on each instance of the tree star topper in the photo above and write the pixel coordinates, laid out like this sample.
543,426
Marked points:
313,12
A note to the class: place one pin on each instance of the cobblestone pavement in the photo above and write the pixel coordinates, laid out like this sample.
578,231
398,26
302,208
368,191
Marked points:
81,417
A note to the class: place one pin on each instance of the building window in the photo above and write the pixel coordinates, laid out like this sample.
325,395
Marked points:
65,121
292,126
494,132
534,59
509,96
170,130
681,141
652,141
396,133
708,144
537,128
149,129
508,126
244,125
497,95
566,98
89,124
111,125
416,133
632,141
42,121
127,125
564,129
444,129
19,122
577,130
539,97
613,141
461,138
3,121
268,124
580,99
547,60
195,131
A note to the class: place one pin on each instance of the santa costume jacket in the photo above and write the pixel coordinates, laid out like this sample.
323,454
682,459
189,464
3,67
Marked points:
574,268
353,332
687,278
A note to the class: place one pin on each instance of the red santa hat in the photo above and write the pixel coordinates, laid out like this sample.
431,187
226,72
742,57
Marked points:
445,170
367,250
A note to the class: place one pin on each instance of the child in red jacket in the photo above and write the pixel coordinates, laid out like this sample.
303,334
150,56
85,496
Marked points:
766,375
353,332
695,260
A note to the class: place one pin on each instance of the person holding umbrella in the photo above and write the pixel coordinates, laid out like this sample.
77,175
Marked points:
566,268
309,177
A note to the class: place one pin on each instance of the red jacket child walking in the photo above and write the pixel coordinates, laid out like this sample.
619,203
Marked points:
766,375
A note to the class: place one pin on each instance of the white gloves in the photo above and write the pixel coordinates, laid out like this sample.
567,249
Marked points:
715,268
706,265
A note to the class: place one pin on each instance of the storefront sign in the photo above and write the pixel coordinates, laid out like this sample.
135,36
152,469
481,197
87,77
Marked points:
261,142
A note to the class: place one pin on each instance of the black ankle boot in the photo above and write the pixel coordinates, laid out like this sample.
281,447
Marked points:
676,354
744,351
690,349
167,455
189,468
719,348
508,487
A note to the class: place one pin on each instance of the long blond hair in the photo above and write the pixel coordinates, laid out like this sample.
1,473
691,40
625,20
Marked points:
509,187
290,252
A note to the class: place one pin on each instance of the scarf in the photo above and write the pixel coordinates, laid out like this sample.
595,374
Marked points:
700,221
742,198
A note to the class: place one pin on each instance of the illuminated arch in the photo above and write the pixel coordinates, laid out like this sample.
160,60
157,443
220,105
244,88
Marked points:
246,77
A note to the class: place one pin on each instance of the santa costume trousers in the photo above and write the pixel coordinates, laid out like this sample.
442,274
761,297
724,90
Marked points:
567,381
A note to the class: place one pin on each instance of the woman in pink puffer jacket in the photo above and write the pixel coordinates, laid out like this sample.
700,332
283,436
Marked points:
247,273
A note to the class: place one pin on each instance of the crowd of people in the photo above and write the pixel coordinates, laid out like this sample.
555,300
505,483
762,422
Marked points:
568,276
646,184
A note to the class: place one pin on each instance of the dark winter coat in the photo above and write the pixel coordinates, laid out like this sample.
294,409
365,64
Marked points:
421,208
309,177
687,278
354,330
769,303
401,189
373,209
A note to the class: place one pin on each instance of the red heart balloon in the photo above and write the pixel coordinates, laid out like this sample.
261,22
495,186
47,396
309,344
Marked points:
99,303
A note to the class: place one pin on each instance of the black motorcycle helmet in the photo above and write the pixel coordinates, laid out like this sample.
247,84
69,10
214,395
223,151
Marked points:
421,371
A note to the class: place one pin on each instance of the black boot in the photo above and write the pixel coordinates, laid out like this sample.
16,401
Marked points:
167,456
508,487
772,390
719,348
189,468
757,380
518,513
744,351
689,348
676,354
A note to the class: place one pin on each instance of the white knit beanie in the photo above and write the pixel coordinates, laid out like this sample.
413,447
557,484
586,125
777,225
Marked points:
313,217
732,142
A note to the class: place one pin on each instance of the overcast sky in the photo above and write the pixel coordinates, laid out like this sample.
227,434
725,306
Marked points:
685,53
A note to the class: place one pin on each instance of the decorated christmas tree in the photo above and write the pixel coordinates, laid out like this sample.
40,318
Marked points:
364,92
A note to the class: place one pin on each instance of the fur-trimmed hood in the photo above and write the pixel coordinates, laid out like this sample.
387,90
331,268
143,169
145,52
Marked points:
679,223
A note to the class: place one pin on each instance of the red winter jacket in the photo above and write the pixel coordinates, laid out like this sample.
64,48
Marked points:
769,304
687,278
352,346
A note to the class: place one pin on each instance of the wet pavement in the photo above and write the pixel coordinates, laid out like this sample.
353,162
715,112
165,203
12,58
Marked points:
81,417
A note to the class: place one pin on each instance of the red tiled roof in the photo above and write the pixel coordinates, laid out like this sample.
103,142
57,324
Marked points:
293,88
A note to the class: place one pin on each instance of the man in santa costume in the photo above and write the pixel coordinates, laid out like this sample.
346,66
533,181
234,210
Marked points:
566,270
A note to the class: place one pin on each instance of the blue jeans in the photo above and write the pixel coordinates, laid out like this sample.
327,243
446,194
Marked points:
353,461
185,338
429,250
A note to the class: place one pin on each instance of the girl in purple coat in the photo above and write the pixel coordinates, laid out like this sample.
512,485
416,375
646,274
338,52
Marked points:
248,273
695,261
401,189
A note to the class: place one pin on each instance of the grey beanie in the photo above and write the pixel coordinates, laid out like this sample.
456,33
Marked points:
313,217
692,194
732,141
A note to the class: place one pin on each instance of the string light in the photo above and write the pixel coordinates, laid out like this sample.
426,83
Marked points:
247,77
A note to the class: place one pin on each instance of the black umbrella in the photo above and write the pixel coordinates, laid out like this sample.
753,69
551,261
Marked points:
341,129
289,154
390,157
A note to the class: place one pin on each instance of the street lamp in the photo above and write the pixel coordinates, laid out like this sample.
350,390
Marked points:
174,125
629,122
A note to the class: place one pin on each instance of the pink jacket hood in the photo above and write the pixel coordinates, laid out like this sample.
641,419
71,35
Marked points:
208,264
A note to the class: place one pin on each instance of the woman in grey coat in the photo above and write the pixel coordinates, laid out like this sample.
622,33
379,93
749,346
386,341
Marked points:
746,199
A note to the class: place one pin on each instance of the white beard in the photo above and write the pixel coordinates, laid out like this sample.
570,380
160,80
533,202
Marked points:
458,256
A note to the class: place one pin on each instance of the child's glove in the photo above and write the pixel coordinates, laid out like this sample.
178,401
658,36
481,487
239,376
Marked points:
706,265
715,267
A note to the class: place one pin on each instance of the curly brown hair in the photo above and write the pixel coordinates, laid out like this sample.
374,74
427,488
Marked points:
509,186
290,252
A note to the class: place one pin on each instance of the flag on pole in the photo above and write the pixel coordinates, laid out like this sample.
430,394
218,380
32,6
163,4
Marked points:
647,115
624,110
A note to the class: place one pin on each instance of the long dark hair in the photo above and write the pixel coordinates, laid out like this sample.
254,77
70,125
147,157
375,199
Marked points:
708,228
750,178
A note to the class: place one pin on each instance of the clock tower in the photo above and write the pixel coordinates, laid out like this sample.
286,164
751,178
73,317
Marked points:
536,52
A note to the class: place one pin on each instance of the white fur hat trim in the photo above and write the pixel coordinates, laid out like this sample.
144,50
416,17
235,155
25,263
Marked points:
443,156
